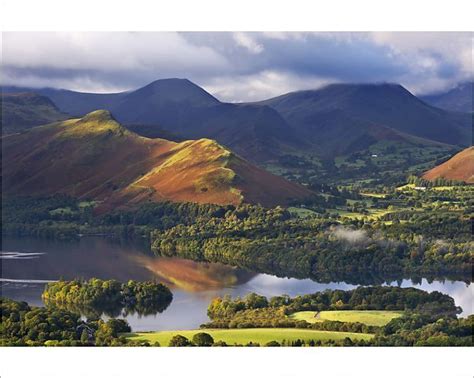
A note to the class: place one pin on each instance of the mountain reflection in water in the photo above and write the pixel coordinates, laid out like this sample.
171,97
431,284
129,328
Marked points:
193,276
102,258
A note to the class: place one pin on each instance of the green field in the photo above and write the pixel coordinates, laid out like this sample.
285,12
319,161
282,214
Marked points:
373,318
244,336
373,214
301,212
374,195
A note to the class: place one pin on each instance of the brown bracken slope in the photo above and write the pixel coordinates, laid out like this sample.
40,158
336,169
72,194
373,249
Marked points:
95,157
460,167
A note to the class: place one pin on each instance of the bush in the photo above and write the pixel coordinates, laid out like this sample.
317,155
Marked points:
203,339
179,341
220,343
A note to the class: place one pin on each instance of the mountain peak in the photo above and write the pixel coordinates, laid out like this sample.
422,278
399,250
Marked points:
172,81
175,90
96,122
100,115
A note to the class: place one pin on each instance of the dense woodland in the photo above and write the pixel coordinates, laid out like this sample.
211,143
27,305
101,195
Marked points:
273,242
368,238
24,325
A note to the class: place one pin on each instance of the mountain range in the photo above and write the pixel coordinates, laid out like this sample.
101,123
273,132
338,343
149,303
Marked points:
334,120
96,157
186,110
349,117
171,140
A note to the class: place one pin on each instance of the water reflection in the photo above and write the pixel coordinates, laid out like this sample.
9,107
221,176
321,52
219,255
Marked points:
193,276
193,284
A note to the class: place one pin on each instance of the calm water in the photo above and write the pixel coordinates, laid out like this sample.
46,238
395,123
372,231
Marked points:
28,263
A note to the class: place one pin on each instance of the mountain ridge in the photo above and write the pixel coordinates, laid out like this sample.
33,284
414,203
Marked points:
24,110
96,157
335,120
389,105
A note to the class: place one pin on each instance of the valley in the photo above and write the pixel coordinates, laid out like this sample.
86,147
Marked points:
298,206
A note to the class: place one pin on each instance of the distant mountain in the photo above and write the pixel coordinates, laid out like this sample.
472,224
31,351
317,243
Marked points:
342,117
460,167
182,108
458,99
22,111
336,120
71,102
96,157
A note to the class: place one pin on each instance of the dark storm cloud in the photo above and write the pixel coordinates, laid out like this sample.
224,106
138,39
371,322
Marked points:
310,54
347,61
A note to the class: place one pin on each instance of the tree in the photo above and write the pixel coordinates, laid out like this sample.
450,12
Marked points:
84,337
273,343
179,341
203,339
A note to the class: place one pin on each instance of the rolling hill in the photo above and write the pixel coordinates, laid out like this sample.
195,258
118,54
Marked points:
96,157
22,111
352,116
460,167
458,99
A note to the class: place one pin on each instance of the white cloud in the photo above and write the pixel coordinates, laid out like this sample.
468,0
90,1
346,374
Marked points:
82,83
141,54
262,85
245,40
426,54
351,236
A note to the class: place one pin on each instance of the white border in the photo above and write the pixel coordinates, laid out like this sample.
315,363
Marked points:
250,15
221,15
333,362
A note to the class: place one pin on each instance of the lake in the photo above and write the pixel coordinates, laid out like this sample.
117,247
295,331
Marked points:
27,264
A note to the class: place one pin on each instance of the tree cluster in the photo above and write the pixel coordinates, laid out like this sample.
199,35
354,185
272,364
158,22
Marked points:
95,296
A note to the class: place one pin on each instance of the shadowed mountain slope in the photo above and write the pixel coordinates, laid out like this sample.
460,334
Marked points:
22,111
458,99
345,116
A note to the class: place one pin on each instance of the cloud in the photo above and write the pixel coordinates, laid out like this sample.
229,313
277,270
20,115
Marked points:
353,237
101,59
237,66
435,60
246,41
262,85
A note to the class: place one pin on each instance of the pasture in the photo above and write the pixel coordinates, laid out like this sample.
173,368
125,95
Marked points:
368,317
244,336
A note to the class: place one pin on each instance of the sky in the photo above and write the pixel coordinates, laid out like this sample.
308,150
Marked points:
236,66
